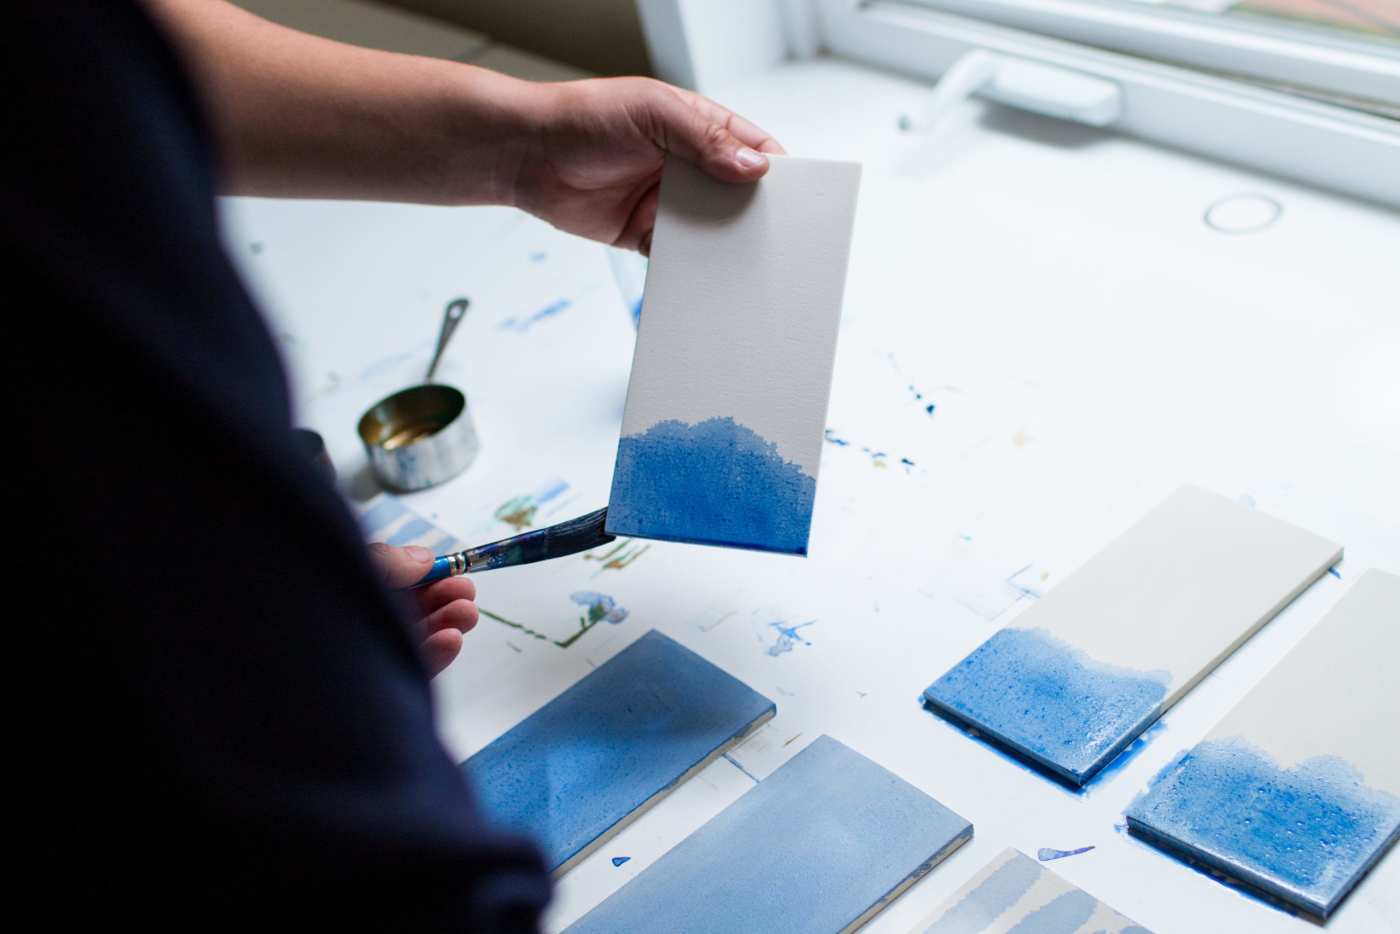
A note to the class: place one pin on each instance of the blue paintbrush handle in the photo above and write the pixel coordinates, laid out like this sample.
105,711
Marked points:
566,538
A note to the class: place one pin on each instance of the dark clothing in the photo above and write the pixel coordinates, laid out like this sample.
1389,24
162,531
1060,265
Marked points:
236,726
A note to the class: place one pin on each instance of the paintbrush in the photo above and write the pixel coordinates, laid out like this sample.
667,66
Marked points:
566,538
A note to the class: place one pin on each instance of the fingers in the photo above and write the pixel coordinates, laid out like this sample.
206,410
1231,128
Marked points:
438,595
459,615
636,234
400,567
440,649
703,132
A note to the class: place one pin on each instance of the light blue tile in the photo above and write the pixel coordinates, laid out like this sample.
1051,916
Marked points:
625,733
824,840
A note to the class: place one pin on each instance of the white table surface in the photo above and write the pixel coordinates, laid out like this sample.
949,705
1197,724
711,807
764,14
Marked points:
1089,345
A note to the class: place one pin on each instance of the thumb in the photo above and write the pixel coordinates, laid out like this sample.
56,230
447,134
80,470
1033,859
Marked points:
400,567
703,137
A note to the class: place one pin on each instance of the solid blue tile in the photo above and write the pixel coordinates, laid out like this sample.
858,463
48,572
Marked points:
624,734
819,845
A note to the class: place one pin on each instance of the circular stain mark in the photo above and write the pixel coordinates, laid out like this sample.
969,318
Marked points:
1243,213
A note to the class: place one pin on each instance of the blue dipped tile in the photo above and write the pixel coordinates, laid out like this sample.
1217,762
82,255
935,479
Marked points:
1048,701
821,845
572,773
1304,835
712,483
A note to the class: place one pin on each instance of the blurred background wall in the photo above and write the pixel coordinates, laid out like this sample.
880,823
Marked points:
602,36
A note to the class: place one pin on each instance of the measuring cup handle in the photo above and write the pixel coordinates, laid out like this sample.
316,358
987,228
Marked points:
451,317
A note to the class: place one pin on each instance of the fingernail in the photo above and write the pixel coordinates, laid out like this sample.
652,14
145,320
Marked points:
419,553
749,158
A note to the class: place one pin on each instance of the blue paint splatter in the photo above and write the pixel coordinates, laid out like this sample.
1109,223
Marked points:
637,313
928,407
831,438
1126,757
1335,573
1049,701
529,321
619,860
998,892
1305,834
1045,854
716,482
600,606
787,637
1066,913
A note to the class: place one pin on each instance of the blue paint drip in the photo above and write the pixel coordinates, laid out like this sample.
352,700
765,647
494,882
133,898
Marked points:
998,892
1068,912
529,321
787,637
600,605
1045,854
1305,834
1049,701
716,482
409,531
619,860
1335,573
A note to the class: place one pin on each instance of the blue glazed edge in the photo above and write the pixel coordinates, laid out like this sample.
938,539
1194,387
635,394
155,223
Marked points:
714,482
1236,760
1009,654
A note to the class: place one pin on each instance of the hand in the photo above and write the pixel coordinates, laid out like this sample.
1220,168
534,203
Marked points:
447,606
594,166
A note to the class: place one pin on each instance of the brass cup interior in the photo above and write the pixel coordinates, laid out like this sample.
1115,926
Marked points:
410,415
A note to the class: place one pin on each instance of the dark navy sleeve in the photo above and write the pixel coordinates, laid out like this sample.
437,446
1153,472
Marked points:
233,725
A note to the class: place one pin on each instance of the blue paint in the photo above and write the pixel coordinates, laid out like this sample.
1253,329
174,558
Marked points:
1066,912
809,850
446,545
715,483
976,910
619,860
1048,701
831,438
1335,573
1126,757
600,606
1304,834
787,637
628,731
1045,854
538,256
529,321
929,407
411,531
637,313
381,514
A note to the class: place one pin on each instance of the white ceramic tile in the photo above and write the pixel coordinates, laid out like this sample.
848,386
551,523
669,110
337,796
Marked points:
722,432
1102,655
1297,790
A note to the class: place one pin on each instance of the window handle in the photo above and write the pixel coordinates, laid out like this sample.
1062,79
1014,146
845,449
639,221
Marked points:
1019,82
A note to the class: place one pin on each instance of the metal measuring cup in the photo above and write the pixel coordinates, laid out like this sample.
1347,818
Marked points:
420,436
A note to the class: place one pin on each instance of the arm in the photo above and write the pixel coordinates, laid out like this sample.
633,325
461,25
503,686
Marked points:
301,116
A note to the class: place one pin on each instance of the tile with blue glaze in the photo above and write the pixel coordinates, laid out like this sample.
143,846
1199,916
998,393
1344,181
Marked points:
819,846
575,771
726,406
1013,894
1096,660
1297,791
